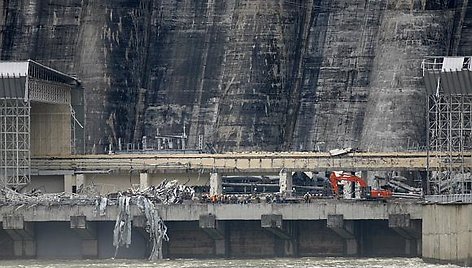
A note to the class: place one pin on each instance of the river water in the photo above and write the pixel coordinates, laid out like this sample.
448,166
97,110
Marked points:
230,263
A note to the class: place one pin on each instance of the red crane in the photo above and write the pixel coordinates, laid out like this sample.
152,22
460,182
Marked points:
366,191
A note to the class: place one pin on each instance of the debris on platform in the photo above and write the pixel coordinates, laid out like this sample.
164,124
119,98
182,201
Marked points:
168,192
338,152
403,190
11,197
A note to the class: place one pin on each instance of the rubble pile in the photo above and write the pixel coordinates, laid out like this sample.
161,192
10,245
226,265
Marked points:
168,192
10,197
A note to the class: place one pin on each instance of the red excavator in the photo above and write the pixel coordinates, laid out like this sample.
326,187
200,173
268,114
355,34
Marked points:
366,191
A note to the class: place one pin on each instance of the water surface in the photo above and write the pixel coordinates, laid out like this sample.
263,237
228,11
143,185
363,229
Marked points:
231,263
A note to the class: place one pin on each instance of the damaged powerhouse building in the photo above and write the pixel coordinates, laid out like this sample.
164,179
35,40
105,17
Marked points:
219,76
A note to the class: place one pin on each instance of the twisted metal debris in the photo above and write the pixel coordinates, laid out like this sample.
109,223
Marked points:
168,192
122,230
165,193
155,227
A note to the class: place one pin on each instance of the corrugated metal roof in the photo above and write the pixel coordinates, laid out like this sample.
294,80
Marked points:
12,87
450,82
32,68
8,68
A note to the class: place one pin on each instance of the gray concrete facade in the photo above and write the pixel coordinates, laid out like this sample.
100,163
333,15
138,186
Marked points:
447,233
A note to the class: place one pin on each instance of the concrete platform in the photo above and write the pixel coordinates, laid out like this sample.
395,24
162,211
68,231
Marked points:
319,210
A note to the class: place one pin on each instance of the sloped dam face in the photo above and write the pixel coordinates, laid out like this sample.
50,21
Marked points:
243,74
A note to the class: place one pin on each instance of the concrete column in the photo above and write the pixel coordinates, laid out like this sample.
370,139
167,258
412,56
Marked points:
273,224
410,230
88,232
22,234
68,182
285,182
221,248
81,181
216,184
144,181
345,229
24,248
216,230
211,226
285,234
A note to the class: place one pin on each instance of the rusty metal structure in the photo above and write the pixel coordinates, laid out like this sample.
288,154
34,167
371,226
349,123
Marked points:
448,82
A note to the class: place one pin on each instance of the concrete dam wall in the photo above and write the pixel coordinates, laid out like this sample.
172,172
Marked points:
243,74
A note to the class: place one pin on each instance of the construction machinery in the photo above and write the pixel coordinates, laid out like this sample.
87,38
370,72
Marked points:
366,192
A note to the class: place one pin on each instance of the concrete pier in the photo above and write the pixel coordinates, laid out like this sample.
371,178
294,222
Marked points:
447,233
322,228
345,229
22,234
409,229
87,231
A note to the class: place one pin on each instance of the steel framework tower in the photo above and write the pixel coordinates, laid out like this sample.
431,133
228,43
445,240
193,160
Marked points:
15,141
22,83
448,83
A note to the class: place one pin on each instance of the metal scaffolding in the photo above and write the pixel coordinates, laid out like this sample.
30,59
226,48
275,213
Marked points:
450,133
22,83
15,142
449,88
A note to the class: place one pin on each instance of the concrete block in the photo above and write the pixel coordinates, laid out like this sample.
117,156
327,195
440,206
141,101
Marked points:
335,221
343,228
17,228
207,221
399,220
211,226
78,222
13,222
274,224
271,221
404,226
84,228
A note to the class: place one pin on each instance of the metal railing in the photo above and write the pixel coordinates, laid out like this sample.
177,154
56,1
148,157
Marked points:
436,63
452,198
